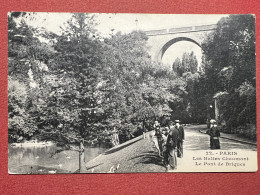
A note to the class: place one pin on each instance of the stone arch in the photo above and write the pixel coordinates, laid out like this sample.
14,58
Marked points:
170,43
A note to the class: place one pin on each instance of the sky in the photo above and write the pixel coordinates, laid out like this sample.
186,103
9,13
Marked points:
177,50
129,22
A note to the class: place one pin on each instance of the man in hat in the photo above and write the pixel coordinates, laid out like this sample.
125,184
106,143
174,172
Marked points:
170,158
181,138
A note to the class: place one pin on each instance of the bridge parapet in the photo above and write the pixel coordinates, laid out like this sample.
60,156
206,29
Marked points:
206,27
156,32
181,30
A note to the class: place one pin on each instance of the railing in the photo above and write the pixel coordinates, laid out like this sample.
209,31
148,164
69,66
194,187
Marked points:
181,30
206,27
155,32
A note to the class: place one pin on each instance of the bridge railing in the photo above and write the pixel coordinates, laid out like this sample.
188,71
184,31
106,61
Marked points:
181,29
206,27
155,32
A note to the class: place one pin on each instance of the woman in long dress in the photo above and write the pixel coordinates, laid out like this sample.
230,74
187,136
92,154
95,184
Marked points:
158,135
214,134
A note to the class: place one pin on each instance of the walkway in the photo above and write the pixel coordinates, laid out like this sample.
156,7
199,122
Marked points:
141,155
233,137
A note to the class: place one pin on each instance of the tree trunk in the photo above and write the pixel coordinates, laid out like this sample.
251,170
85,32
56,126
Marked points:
82,163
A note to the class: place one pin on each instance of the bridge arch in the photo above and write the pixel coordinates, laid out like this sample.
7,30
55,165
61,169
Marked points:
170,43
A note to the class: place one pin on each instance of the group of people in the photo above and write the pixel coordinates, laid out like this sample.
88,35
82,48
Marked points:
169,142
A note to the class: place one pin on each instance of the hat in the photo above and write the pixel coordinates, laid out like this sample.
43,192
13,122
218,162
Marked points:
177,121
212,121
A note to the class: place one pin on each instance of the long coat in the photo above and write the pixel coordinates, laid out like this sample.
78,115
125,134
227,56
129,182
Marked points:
172,138
214,132
214,138
180,141
181,132
171,144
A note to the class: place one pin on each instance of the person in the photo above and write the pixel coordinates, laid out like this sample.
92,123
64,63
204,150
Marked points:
214,134
116,137
208,132
144,131
99,139
208,123
171,146
112,137
180,140
165,132
158,135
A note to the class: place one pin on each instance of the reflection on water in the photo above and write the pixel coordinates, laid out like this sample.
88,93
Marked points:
22,159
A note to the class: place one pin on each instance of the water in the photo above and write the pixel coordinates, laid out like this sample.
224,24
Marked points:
45,159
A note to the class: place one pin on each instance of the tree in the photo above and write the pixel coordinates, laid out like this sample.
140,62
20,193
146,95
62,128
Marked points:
124,58
188,63
78,62
186,69
231,45
177,67
193,63
25,51
229,55
27,64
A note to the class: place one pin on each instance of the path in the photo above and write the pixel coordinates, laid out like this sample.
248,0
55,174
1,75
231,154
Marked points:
198,141
140,155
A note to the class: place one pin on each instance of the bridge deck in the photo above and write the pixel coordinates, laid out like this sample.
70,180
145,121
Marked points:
181,30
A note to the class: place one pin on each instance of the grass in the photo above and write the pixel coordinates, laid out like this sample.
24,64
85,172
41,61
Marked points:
136,155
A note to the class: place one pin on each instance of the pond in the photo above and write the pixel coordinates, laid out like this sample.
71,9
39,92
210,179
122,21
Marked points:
46,159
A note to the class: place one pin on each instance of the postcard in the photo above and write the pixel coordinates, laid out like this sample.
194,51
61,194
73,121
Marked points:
130,93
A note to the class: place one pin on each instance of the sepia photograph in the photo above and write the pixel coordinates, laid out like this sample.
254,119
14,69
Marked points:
131,93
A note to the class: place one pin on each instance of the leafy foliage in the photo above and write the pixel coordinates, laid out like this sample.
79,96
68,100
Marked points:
229,55
76,85
188,63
